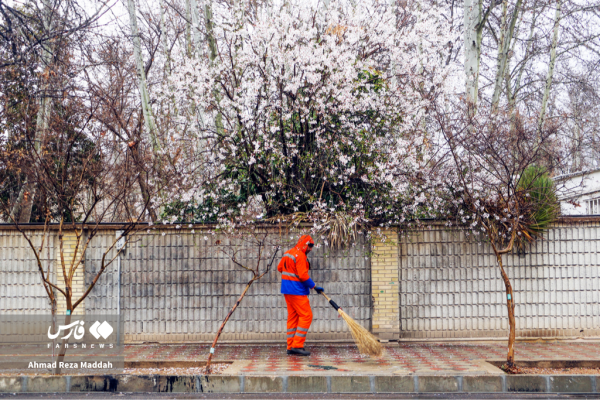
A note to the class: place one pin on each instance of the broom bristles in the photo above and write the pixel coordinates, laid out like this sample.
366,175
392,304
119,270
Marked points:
365,341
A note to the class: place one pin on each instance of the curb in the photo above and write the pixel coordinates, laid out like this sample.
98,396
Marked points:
302,384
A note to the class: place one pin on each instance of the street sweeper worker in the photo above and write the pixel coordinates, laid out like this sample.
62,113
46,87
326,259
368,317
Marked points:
295,286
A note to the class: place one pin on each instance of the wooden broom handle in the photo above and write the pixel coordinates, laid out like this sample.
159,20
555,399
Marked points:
333,303
323,293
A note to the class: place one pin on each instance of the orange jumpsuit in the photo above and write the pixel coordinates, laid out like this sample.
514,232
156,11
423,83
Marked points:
295,286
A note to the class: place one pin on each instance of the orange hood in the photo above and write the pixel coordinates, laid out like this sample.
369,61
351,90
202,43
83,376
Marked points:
303,242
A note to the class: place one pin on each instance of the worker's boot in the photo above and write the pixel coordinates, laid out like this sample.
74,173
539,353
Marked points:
298,352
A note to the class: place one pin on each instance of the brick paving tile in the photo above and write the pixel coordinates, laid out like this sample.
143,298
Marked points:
398,358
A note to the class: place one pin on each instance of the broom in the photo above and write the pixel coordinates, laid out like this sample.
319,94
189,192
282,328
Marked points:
365,341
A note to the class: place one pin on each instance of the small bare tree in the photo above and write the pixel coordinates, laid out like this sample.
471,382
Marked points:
82,180
255,244
502,188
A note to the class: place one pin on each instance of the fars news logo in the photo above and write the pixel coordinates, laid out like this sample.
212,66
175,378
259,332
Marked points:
76,329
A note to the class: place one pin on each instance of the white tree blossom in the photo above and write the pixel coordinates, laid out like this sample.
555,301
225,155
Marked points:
320,110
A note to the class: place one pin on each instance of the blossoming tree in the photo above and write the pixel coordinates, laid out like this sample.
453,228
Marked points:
311,111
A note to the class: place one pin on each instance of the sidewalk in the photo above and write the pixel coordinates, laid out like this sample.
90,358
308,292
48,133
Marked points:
398,358
404,368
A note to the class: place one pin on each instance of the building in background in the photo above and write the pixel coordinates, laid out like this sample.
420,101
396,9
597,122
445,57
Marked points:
579,192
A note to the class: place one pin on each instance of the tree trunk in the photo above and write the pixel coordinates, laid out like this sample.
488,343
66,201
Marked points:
135,155
517,84
510,305
237,303
53,312
255,276
198,42
29,196
550,65
143,88
21,210
474,22
188,29
164,39
212,53
210,34
63,348
506,36
146,196
28,191
472,15
577,117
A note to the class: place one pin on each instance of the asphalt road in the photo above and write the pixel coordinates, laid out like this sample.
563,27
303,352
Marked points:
165,396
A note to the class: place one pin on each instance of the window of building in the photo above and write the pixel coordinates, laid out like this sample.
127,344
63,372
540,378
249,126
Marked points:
592,206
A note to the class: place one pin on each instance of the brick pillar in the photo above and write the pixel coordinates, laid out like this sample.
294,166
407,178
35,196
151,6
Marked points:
385,269
69,242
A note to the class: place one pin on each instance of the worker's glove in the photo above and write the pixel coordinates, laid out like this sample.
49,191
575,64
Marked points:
319,289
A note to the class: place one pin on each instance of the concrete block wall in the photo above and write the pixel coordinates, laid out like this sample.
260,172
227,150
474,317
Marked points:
450,286
21,290
435,283
179,286
103,299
